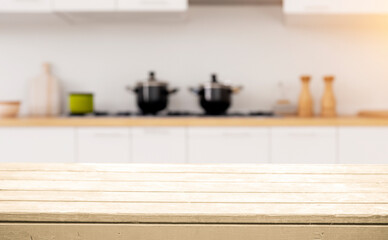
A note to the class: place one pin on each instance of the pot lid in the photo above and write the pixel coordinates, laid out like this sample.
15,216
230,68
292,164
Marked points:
152,82
214,83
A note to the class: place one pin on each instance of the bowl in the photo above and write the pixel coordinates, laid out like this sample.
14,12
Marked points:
9,109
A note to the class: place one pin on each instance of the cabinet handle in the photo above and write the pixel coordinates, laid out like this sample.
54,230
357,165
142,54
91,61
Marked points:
237,134
156,132
302,135
109,135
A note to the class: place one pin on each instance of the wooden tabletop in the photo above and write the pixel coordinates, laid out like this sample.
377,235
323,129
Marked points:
191,121
300,194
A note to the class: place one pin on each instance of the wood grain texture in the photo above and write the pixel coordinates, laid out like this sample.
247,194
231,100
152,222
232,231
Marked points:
239,194
189,232
192,121
198,168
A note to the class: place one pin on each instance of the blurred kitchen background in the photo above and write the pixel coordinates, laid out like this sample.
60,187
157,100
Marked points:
272,49
253,46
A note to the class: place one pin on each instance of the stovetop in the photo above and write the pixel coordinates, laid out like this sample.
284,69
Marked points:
176,114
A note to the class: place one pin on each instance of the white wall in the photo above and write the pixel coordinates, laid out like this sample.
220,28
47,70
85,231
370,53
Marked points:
250,46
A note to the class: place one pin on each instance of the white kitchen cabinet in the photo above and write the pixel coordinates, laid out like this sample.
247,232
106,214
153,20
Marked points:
312,6
84,5
159,145
36,144
152,5
25,6
364,145
103,145
303,145
228,145
335,6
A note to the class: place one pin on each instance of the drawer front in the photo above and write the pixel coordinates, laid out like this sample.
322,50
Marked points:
25,5
364,145
36,144
228,145
159,145
304,145
103,145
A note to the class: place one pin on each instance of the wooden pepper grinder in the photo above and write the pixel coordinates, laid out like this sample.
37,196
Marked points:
305,108
328,99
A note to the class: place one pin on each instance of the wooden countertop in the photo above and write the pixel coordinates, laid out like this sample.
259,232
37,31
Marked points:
193,194
193,121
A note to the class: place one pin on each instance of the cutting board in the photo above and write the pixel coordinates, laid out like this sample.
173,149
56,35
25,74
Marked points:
44,94
375,114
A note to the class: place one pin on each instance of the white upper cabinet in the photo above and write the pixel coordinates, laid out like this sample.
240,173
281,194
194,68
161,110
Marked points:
335,6
25,6
35,144
364,145
228,145
84,5
103,145
159,145
152,5
304,145
47,6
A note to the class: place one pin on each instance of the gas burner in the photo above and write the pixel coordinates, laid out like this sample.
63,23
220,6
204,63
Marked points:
100,114
93,114
175,114
262,114
124,114
180,113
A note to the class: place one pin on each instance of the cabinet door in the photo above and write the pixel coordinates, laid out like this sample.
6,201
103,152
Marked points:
228,145
312,6
103,145
159,145
25,6
84,5
335,6
364,145
304,145
37,144
152,5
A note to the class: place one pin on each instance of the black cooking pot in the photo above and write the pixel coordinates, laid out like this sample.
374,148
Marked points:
152,95
215,97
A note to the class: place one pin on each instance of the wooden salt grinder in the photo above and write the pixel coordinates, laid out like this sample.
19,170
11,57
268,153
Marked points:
305,108
328,104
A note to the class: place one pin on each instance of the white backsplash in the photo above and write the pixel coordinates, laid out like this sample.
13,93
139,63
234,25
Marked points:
249,46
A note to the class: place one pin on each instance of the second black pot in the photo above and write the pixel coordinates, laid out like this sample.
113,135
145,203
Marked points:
152,95
214,97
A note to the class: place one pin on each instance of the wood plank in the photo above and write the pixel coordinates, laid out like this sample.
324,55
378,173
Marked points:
224,194
189,232
192,121
191,177
189,168
192,212
155,197
191,186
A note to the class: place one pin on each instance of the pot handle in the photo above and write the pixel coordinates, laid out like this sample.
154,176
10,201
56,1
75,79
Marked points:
194,90
172,91
131,89
236,89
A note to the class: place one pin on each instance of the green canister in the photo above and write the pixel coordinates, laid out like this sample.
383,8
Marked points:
81,103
